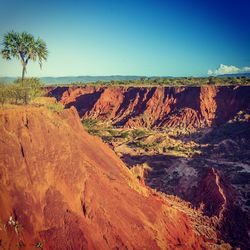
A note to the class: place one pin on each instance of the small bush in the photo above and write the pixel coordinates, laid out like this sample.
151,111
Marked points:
107,139
94,131
20,91
39,244
89,123
138,133
27,89
124,134
145,146
55,106
4,93
113,132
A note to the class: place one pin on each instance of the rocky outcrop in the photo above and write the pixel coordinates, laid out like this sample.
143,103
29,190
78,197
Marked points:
210,193
219,200
180,107
61,188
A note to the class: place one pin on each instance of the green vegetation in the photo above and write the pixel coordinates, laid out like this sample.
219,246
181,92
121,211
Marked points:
55,106
138,140
92,126
20,91
4,93
124,135
113,134
89,123
107,138
138,133
39,244
143,145
165,81
24,47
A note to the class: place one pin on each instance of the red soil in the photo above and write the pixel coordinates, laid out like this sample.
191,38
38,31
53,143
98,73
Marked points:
68,189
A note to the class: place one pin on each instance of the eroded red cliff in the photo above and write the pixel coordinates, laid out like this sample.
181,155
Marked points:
180,107
61,188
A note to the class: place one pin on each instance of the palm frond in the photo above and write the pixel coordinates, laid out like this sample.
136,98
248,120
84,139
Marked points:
24,47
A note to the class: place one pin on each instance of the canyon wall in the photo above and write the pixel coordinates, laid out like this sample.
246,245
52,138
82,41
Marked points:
178,107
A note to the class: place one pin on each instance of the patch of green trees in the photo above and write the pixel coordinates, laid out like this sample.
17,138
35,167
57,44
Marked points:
20,91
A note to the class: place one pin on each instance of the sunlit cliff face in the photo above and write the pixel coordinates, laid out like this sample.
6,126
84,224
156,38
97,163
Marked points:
178,107
63,188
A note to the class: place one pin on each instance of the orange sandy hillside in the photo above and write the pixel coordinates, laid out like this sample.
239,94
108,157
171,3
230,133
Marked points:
65,189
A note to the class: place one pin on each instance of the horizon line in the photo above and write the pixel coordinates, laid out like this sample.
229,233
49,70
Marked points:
117,75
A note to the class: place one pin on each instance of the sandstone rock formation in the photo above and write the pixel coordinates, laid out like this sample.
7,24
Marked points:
61,188
179,107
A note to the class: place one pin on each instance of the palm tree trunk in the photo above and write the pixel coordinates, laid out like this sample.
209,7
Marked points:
23,72
25,97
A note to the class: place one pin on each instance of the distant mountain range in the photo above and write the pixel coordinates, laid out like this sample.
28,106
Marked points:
72,79
235,75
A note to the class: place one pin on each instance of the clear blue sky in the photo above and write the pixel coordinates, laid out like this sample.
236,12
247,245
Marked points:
131,37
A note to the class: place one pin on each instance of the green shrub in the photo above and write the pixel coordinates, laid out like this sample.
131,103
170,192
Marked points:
107,139
145,146
138,133
113,132
89,123
55,106
124,134
4,93
39,244
20,91
26,90
94,131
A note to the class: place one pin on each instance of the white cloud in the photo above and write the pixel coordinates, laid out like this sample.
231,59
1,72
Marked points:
225,69
246,69
210,72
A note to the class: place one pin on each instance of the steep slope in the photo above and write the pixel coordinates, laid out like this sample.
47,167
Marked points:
178,107
211,194
61,188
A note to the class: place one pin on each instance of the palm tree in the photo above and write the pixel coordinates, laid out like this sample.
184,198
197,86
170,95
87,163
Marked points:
24,47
